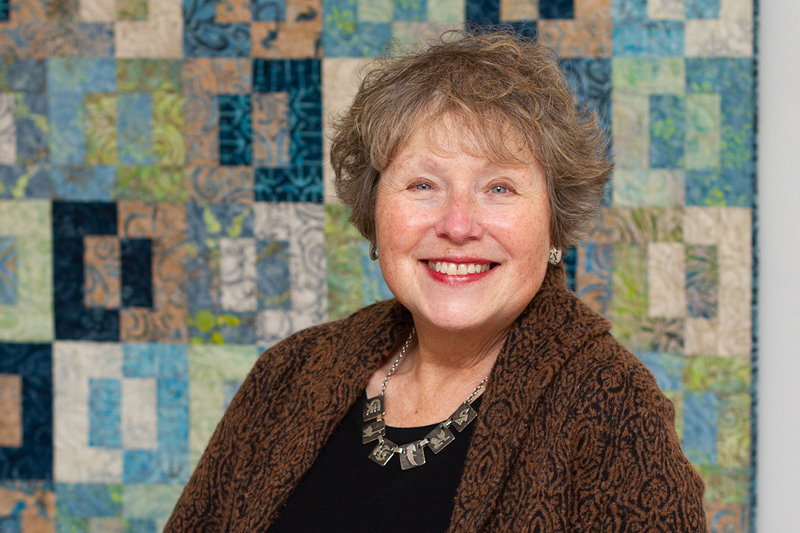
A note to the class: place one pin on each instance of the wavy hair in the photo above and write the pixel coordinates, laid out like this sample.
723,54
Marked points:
503,89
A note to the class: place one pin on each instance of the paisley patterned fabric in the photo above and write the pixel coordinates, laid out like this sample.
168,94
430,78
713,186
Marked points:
573,433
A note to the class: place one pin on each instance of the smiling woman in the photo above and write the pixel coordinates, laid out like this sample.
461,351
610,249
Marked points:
468,166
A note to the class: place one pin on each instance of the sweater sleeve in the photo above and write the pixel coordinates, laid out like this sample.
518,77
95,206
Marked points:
647,484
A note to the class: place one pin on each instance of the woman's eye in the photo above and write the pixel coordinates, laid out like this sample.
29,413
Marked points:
499,189
422,187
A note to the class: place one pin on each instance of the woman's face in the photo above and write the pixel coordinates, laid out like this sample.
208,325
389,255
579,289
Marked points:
463,241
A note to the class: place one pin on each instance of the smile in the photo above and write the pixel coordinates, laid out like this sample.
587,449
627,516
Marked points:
458,269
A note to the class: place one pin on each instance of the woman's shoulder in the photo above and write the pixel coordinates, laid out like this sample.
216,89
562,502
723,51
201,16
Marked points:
606,368
307,344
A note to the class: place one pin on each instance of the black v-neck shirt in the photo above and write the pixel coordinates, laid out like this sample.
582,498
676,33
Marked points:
345,491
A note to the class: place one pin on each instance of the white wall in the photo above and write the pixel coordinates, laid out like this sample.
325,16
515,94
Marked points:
779,284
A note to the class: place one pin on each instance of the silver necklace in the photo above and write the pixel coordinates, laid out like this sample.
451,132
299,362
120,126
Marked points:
413,453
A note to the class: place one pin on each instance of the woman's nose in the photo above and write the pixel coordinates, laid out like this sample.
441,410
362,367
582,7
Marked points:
458,220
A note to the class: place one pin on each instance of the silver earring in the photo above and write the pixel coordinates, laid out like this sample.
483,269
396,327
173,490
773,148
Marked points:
373,251
555,256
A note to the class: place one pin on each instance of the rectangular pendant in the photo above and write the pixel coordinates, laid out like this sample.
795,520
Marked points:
373,407
383,452
372,431
439,438
463,416
413,456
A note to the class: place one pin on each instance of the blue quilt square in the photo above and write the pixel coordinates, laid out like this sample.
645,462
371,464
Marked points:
525,28
235,130
196,11
624,10
268,10
105,413
140,360
203,37
305,123
140,465
135,124
286,75
705,188
702,9
173,427
137,272
712,187
26,75
34,364
67,137
410,11
32,142
700,418
10,524
296,184
556,9
345,36
24,182
173,362
570,260
81,75
71,222
482,12
35,102
8,270
88,500
648,38
667,131
156,466
206,39
13,523
83,182
140,525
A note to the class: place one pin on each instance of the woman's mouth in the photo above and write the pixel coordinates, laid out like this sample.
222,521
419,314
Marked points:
458,269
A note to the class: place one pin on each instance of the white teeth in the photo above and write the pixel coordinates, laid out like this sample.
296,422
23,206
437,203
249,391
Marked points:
457,269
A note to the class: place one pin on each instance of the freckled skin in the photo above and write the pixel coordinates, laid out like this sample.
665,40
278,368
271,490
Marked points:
439,201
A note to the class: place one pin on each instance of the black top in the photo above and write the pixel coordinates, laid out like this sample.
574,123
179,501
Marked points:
345,491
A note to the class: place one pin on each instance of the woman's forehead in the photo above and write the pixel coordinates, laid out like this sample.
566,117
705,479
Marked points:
446,133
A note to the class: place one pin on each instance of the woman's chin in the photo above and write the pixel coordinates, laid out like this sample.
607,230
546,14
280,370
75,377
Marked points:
455,319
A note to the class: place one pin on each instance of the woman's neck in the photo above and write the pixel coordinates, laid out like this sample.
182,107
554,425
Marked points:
438,373
457,351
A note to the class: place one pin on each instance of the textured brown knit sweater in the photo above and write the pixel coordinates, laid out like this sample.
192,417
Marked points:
573,434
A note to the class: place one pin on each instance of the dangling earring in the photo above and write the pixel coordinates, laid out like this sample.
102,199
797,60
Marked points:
373,251
555,256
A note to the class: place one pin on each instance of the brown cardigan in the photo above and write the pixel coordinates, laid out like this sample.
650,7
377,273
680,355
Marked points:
573,433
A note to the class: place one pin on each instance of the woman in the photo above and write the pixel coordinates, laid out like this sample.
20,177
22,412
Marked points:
486,397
